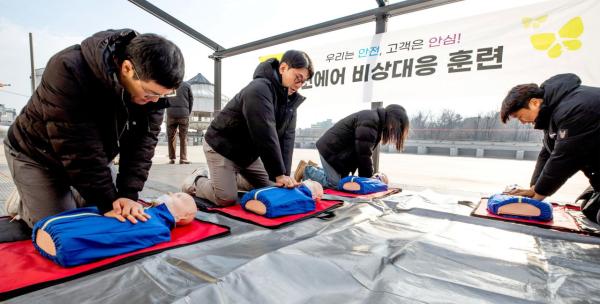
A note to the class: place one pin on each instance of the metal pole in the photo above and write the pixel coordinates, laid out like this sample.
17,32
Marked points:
217,100
380,27
32,65
375,105
381,23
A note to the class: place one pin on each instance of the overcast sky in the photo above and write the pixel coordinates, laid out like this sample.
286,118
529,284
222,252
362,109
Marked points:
60,23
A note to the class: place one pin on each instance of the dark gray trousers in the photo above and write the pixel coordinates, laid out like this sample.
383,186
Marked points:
43,192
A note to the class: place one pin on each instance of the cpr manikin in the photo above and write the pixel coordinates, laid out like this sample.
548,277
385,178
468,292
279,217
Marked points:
363,185
519,207
83,235
277,201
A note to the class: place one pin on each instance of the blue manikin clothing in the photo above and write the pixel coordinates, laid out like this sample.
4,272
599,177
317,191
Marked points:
367,185
84,235
498,200
282,201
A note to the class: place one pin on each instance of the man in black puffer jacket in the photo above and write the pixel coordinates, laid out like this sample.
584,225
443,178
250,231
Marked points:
96,100
256,127
569,115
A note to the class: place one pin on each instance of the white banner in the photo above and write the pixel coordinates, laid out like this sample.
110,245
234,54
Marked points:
467,65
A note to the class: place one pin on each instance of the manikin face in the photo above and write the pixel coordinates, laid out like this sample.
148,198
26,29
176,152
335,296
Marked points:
315,188
141,91
182,207
382,177
291,78
528,115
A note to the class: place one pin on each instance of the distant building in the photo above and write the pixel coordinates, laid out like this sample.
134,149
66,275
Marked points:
7,115
307,138
326,124
38,76
204,94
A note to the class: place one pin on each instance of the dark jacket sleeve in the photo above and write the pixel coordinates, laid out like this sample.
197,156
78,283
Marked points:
580,131
539,165
137,150
260,117
364,142
73,135
288,144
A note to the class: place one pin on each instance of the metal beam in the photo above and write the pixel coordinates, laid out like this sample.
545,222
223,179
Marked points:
380,27
217,92
394,9
162,15
375,158
32,64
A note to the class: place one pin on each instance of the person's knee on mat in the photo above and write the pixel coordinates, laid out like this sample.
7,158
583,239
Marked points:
225,198
225,202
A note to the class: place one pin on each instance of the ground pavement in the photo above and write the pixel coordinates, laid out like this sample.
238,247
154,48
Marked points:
465,177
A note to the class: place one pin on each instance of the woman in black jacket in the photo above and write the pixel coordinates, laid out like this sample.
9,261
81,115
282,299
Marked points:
349,144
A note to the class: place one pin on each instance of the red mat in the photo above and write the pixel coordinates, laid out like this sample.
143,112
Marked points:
381,194
562,220
25,270
238,213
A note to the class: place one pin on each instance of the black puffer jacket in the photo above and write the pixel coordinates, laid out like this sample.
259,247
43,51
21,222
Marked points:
181,105
570,118
349,144
259,121
80,118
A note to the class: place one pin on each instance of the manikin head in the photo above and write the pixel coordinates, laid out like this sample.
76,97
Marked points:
181,205
315,188
382,177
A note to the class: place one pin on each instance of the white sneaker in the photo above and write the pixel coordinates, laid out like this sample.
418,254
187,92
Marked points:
189,182
11,205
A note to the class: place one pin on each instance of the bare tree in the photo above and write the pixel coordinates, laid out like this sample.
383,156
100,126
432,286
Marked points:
487,126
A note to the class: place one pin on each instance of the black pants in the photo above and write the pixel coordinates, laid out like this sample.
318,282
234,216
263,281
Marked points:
172,125
42,191
591,204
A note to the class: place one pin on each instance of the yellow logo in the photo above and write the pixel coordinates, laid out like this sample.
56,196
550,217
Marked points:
265,57
567,37
533,22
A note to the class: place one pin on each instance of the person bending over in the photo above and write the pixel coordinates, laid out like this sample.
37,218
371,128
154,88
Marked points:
250,143
569,115
348,145
96,100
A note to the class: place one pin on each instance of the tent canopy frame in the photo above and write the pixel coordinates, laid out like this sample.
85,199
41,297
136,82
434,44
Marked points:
379,15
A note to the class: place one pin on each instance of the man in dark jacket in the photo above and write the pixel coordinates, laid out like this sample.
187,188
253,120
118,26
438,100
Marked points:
178,116
96,100
569,114
256,127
